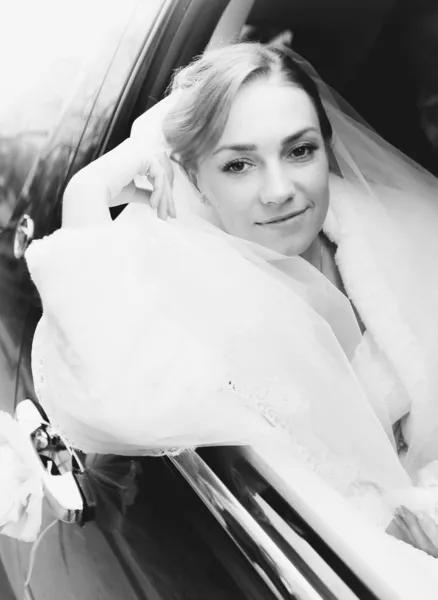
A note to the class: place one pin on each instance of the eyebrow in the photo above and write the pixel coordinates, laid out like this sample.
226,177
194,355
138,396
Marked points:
290,139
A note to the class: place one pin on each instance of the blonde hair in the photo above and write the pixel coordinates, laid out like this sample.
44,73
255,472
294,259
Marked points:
210,84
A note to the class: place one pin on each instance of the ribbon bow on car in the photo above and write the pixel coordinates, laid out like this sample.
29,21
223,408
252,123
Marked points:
36,462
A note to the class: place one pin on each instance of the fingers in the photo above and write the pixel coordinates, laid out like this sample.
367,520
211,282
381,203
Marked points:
423,524
156,175
172,209
160,174
430,528
171,202
421,532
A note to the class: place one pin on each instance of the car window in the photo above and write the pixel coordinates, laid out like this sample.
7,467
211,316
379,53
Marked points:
41,67
165,535
357,553
50,85
307,530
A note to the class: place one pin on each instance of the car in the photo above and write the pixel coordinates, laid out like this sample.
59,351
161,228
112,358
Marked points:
213,523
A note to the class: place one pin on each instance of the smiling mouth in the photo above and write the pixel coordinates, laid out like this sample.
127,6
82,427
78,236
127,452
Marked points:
283,218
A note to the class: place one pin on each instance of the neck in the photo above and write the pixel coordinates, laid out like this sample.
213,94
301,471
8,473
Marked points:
313,253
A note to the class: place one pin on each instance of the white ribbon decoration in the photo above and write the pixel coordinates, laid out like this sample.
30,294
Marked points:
21,483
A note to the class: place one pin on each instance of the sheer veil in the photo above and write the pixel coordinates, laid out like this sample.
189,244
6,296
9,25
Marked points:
252,309
396,185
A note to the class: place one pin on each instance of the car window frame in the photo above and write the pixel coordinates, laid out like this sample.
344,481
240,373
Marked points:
148,84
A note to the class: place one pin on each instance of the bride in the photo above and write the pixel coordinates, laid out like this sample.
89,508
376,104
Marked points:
293,301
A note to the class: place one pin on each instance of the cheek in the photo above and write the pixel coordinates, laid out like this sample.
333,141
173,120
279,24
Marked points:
231,198
322,194
322,208
318,186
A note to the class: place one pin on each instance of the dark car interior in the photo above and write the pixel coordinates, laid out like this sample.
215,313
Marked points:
380,55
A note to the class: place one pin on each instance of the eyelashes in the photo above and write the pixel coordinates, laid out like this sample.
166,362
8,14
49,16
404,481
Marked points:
300,153
303,151
236,166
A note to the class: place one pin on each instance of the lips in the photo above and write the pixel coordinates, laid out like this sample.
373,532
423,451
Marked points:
282,218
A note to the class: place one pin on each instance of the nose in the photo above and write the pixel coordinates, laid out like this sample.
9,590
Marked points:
278,186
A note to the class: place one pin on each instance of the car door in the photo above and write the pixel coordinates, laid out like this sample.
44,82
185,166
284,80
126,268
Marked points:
64,79
53,61
152,536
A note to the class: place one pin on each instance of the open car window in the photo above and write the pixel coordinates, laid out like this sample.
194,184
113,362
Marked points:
42,66
280,529
297,532
286,523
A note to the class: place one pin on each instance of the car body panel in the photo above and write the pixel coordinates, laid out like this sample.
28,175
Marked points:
141,546
40,130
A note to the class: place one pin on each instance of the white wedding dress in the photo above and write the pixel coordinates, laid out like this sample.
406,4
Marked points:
160,336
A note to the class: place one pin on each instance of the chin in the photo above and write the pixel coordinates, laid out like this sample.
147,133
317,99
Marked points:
281,247
295,245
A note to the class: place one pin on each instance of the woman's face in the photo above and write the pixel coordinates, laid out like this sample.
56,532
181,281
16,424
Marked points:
267,177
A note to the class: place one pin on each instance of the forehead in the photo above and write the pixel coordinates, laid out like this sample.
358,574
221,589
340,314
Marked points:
266,109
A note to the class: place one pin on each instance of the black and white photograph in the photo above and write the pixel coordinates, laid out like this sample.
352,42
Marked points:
219,300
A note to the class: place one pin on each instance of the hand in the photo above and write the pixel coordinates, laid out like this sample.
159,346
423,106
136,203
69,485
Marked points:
420,531
108,181
161,197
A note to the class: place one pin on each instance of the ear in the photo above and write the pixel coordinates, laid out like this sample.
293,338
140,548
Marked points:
193,178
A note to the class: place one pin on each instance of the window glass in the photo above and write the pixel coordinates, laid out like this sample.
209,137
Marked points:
45,51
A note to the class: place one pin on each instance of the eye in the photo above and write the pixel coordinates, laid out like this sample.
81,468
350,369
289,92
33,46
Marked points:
237,166
303,152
